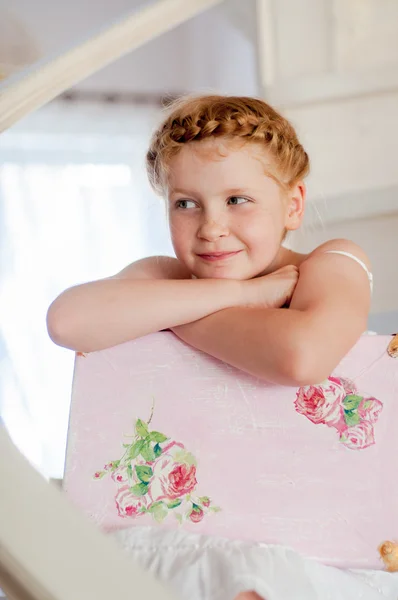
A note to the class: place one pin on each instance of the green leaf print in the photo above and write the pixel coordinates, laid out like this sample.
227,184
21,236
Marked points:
157,450
183,456
144,473
352,401
141,428
174,504
156,436
136,449
147,452
351,417
140,489
152,506
158,511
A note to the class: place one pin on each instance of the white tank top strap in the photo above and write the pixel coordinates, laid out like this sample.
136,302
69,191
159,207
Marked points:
358,260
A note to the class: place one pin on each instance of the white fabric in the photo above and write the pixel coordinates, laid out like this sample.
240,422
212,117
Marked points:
204,568
358,260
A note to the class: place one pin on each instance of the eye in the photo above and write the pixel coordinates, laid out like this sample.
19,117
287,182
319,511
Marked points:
184,204
234,200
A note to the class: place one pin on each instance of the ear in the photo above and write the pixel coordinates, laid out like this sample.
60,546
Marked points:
295,206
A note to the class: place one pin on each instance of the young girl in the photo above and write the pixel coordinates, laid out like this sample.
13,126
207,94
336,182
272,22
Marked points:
231,171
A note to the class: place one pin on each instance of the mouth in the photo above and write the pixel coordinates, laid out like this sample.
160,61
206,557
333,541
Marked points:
218,256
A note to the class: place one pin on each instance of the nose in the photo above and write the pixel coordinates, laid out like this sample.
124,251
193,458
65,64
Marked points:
212,229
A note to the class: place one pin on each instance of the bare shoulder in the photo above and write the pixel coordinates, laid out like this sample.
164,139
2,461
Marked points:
339,245
334,284
154,267
325,275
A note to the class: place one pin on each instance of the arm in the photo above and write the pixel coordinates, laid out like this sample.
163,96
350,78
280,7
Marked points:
148,296
301,345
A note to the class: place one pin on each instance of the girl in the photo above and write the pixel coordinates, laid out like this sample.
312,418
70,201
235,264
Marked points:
232,171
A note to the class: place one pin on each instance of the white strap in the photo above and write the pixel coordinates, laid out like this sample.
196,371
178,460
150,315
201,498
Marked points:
360,262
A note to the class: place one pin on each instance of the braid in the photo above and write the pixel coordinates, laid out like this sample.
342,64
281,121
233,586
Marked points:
196,119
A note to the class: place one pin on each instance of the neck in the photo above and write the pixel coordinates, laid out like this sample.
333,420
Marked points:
283,257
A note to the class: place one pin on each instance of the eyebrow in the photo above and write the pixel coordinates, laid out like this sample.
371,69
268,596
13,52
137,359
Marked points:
183,192
230,192
236,191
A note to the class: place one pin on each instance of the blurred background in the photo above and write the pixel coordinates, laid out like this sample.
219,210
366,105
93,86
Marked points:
74,201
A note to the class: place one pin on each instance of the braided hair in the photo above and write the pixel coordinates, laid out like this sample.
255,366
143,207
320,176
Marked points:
194,119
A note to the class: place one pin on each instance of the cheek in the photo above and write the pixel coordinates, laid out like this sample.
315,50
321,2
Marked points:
260,235
180,232
255,229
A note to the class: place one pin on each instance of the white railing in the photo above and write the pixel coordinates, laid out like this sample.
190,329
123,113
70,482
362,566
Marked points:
46,80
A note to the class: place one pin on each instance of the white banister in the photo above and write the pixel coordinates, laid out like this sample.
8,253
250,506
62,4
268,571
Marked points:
49,550
45,80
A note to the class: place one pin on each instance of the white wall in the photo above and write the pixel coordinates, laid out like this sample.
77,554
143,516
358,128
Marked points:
379,238
332,65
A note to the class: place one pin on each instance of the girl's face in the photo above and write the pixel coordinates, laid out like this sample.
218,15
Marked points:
226,216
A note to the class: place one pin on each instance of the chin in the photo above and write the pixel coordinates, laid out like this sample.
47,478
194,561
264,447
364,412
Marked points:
236,275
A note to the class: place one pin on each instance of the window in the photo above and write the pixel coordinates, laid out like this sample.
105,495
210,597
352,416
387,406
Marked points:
74,206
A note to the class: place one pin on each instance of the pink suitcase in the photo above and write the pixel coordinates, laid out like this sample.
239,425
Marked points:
164,435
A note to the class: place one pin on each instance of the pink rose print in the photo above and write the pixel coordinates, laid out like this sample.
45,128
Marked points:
369,409
321,403
110,466
359,436
196,515
171,478
182,480
120,475
337,404
127,504
348,386
156,476
126,472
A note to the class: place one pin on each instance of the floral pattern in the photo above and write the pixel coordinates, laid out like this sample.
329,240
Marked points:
157,476
337,403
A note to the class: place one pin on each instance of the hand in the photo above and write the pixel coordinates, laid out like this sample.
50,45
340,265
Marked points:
273,290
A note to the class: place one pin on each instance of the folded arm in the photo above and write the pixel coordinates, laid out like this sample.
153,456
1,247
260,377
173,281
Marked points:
301,345
148,296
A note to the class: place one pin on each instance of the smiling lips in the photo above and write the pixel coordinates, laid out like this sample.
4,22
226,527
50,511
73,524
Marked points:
216,256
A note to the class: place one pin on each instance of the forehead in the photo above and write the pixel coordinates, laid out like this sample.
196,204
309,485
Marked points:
222,161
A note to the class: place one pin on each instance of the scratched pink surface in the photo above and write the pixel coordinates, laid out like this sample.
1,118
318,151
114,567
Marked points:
277,477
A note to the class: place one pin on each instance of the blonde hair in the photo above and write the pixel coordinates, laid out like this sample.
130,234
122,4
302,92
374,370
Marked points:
197,118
